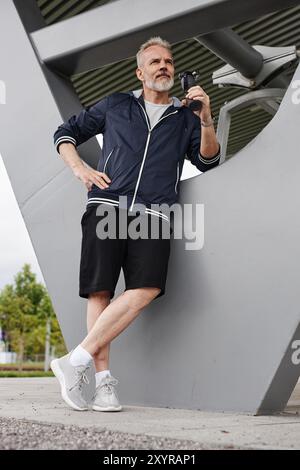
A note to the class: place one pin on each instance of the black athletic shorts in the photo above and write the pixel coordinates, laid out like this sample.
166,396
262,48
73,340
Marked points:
144,260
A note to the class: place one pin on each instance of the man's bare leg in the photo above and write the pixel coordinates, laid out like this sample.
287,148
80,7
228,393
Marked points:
117,316
97,302
109,324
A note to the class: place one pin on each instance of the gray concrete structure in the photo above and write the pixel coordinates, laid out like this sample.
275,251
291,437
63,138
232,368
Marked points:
222,338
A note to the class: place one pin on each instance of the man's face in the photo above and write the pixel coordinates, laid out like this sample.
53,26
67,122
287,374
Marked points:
157,69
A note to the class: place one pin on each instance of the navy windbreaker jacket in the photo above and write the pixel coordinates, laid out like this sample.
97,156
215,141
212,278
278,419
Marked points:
143,163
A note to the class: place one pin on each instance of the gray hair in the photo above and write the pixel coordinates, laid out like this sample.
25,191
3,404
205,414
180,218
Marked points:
154,41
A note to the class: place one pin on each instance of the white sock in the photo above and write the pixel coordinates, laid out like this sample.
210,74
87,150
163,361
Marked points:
99,376
80,357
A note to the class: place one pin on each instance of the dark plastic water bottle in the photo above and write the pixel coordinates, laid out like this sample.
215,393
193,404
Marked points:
187,80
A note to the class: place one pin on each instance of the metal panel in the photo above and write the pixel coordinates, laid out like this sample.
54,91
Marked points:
58,10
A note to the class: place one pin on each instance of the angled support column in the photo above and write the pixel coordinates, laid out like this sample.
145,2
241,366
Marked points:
108,34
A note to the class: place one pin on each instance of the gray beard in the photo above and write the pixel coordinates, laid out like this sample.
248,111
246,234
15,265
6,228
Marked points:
163,85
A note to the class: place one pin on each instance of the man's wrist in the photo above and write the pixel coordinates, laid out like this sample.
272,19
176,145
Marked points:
75,166
207,122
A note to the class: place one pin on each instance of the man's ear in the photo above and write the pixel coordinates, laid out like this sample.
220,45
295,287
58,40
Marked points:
139,74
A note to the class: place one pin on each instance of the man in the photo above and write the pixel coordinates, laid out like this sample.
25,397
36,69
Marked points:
146,137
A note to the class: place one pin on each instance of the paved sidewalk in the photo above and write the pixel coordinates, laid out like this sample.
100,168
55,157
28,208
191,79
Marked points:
38,399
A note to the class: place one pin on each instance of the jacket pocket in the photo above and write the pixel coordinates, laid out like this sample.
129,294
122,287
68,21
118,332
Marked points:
177,178
105,168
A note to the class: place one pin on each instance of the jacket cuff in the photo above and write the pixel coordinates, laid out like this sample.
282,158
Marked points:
210,160
62,139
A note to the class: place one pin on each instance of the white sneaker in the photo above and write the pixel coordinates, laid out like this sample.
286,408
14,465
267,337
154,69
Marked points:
105,398
72,380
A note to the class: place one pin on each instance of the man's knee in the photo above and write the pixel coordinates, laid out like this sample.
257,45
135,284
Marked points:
139,298
103,295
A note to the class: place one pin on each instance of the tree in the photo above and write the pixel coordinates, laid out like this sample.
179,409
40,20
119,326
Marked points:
25,308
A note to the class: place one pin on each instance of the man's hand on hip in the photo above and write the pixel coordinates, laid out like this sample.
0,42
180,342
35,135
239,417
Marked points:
89,176
85,173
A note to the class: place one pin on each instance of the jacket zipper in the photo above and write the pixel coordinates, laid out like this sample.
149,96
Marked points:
108,159
177,178
150,129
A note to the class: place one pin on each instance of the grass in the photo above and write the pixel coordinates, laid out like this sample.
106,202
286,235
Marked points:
15,373
25,366
29,369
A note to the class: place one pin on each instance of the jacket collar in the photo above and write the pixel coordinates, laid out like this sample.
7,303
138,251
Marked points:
138,94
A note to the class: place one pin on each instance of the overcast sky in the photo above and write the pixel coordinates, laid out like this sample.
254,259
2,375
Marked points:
15,245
